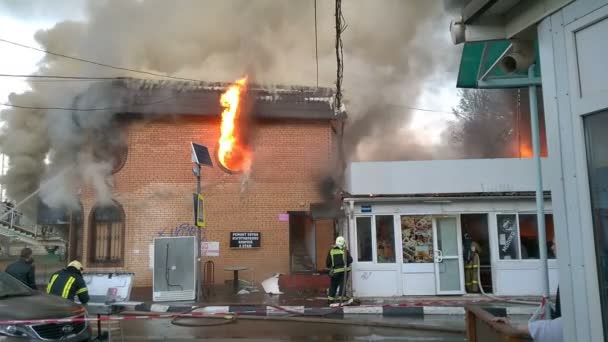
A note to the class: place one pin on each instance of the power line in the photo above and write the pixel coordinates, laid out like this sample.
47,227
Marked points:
97,63
60,77
88,109
421,109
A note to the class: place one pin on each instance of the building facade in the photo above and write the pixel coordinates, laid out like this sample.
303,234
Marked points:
293,137
411,224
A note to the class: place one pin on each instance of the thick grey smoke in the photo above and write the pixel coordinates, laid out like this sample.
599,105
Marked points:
391,48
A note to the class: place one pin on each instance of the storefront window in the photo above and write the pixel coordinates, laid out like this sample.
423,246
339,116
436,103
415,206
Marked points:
417,233
364,239
528,231
385,238
518,236
596,126
507,236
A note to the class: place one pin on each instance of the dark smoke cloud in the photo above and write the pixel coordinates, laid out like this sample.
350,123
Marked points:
392,47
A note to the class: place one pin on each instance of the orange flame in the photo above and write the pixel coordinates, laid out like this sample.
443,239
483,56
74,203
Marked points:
525,151
233,153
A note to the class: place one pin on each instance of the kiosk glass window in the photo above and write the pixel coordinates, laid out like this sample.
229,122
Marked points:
508,239
385,238
364,239
596,126
518,236
417,234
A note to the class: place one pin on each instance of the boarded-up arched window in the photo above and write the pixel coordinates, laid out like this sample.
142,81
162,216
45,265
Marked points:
107,235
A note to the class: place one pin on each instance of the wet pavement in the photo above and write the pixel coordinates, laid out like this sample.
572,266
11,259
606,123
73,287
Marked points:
262,330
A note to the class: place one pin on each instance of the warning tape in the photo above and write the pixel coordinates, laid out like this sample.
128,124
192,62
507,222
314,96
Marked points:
117,318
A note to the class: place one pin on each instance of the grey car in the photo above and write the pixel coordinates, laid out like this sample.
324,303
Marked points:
18,303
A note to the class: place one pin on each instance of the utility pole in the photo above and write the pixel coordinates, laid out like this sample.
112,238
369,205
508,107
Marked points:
540,199
198,236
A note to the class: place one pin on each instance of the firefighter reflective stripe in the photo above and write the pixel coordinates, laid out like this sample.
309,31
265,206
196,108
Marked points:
335,252
67,287
50,285
82,290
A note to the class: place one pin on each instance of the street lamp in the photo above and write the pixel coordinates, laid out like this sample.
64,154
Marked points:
200,157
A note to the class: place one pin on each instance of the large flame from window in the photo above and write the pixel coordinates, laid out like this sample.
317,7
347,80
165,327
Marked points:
233,152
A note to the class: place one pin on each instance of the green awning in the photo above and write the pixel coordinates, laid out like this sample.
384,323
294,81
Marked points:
479,57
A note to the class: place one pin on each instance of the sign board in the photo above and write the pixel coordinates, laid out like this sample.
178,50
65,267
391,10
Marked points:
284,217
245,240
366,208
199,209
210,248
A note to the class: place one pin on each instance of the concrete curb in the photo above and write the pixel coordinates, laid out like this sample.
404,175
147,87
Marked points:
396,310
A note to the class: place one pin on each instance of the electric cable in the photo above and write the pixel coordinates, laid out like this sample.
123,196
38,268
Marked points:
90,109
97,63
62,77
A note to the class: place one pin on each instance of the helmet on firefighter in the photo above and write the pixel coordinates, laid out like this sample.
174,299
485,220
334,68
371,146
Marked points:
77,265
340,242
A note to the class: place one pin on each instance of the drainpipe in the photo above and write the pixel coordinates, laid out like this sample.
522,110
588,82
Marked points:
540,200
350,219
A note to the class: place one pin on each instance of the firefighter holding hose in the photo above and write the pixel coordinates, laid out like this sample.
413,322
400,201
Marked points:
338,262
471,250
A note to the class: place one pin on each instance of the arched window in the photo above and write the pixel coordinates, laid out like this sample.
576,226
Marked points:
107,235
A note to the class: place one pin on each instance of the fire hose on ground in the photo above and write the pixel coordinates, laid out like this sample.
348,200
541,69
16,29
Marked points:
514,301
233,317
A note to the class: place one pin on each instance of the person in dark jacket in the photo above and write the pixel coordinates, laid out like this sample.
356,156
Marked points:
338,262
69,283
23,269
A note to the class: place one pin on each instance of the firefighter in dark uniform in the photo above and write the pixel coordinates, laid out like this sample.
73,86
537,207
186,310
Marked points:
69,283
338,262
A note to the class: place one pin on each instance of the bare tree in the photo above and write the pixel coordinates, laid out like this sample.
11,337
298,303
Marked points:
486,123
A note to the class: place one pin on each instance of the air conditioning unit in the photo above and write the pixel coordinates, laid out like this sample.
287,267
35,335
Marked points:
174,273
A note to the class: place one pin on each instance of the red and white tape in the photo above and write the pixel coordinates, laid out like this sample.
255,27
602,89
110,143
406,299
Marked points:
115,318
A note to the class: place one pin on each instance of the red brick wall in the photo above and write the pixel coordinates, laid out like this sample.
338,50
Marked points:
155,188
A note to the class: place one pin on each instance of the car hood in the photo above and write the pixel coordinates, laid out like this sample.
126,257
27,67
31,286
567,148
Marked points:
37,306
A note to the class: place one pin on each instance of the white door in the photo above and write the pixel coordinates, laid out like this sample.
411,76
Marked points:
449,272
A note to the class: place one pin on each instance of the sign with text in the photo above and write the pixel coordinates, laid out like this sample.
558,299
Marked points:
245,240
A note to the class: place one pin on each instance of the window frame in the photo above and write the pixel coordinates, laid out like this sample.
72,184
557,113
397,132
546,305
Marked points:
374,260
92,237
372,228
516,214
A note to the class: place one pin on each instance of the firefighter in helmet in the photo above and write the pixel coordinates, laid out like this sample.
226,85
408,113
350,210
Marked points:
471,250
338,262
69,283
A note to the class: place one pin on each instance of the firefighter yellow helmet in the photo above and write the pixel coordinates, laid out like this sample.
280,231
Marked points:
76,264
340,242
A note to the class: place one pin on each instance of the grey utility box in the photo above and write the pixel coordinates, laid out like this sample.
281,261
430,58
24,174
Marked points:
174,274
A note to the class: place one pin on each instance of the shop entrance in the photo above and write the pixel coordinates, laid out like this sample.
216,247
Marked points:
475,233
448,260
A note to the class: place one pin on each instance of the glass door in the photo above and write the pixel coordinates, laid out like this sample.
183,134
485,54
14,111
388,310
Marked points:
449,275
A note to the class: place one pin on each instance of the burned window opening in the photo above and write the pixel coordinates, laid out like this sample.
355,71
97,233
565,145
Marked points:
107,235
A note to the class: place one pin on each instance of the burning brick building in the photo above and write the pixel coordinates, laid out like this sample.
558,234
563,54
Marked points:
292,136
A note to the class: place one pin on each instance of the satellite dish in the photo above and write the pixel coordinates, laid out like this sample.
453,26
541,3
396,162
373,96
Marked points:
200,155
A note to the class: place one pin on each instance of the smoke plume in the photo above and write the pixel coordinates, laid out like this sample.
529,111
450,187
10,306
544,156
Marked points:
391,48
